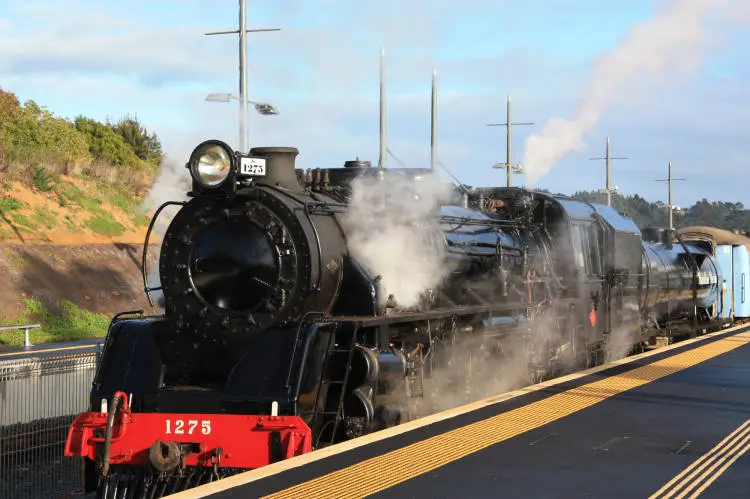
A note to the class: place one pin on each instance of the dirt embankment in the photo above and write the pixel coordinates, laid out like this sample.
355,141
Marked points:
103,278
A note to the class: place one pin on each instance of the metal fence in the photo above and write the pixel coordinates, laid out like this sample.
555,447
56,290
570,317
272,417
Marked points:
39,398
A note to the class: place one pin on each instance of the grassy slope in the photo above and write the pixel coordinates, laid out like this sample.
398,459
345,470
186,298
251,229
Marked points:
75,212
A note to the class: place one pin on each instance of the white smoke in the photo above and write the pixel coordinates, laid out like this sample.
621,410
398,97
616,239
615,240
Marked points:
479,367
392,227
172,183
674,39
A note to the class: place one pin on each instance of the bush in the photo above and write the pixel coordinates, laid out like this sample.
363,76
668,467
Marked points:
42,179
146,146
9,107
36,135
8,204
105,225
105,143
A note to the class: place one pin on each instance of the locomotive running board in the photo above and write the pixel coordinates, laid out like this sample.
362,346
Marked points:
441,313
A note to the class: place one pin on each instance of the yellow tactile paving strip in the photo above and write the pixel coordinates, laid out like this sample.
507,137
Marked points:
384,471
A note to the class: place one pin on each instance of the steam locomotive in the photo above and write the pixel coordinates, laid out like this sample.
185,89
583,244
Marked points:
283,333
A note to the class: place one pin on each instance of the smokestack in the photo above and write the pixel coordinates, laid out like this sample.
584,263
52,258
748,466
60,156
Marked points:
433,132
383,149
280,164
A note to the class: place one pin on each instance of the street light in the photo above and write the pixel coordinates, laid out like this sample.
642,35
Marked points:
262,107
517,168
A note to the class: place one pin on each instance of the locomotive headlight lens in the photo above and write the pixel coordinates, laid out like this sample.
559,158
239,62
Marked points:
211,165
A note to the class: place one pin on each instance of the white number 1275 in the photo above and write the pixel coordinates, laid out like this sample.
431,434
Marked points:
178,426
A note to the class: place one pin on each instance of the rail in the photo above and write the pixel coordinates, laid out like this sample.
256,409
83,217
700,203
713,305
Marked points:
26,328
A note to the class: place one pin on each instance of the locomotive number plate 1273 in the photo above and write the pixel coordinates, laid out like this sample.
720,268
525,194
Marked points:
255,167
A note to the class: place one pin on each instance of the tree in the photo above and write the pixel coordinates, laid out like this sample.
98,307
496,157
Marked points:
720,214
105,143
36,134
146,146
9,107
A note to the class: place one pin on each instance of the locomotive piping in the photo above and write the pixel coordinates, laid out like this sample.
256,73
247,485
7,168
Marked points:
296,344
108,438
146,288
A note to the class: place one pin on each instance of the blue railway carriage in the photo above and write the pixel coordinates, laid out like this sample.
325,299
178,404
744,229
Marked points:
732,254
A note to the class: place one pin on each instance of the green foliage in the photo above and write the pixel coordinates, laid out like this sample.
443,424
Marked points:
44,217
9,107
104,224
146,146
723,215
35,145
37,135
69,194
105,143
43,179
72,323
8,204
142,220
24,221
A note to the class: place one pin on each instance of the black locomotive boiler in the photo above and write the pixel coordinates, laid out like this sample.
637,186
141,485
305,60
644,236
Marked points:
278,336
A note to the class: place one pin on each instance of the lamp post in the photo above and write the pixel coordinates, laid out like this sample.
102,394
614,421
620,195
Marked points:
242,31
262,107
508,165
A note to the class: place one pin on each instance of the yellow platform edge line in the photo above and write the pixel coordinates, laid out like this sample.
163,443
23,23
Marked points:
566,402
730,446
710,455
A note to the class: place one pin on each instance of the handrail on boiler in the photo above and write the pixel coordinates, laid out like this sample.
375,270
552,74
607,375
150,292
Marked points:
25,327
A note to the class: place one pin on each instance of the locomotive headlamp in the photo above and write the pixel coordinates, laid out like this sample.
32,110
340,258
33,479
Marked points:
211,163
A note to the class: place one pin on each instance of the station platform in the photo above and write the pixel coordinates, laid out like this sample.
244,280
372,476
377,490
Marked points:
673,422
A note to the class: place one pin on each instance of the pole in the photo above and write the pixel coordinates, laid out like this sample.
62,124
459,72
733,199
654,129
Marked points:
669,180
243,78
508,143
607,182
669,196
243,31
433,130
508,146
383,152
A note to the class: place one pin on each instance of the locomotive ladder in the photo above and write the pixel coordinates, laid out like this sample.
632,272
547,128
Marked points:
342,342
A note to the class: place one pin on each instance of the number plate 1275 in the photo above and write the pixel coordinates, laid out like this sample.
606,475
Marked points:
253,166
187,427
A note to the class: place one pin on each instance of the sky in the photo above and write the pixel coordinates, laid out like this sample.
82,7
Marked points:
672,90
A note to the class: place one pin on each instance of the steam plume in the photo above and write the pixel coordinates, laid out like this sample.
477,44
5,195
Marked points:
480,368
392,228
171,184
673,39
